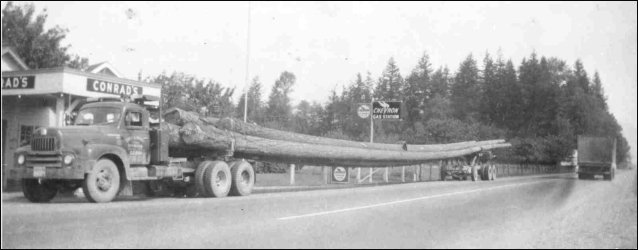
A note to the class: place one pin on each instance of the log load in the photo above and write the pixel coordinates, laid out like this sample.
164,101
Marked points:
199,137
181,117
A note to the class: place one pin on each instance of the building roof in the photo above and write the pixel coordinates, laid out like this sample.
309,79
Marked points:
9,51
65,69
104,68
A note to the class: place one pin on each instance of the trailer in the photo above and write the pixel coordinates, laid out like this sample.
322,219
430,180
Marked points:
475,166
113,144
596,156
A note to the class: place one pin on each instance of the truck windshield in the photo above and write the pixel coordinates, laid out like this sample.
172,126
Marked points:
98,116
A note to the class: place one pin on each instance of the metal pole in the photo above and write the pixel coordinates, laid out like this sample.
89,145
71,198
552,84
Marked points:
402,173
292,174
247,63
325,170
371,121
385,175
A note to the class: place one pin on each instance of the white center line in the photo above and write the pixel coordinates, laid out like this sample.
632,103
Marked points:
408,200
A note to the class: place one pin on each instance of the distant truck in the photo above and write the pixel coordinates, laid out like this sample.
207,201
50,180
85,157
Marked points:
596,156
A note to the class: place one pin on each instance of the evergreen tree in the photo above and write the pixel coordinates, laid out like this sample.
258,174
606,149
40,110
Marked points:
389,85
466,91
416,90
255,107
279,110
490,85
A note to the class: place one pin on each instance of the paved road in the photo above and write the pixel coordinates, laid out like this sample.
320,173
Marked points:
525,212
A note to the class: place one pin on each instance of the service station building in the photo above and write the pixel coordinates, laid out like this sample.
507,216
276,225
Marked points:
46,97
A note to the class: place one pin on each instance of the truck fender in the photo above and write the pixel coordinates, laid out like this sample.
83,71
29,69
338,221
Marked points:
115,153
120,157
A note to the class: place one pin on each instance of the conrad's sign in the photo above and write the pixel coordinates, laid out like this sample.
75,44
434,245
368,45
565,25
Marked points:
18,82
112,87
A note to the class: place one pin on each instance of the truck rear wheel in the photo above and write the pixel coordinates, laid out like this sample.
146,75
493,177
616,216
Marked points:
103,182
243,176
38,191
199,177
217,179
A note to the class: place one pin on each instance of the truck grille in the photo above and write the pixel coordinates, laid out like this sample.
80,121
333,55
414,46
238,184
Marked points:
43,144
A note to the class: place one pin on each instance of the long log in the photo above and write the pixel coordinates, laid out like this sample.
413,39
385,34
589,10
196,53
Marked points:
181,117
203,137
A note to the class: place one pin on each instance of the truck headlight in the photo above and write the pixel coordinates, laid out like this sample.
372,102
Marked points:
21,159
68,159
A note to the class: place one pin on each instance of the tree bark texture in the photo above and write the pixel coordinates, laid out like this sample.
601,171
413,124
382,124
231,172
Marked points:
201,137
181,117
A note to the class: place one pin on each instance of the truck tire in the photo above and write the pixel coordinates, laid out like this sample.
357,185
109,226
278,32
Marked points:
199,178
103,182
38,191
493,170
217,179
475,174
243,177
443,174
484,173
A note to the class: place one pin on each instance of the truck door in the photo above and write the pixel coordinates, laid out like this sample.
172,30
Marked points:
136,136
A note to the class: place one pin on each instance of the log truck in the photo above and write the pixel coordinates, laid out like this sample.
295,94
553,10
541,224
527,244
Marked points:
113,144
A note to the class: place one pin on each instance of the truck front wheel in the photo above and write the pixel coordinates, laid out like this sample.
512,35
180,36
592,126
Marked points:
243,178
38,191
103,182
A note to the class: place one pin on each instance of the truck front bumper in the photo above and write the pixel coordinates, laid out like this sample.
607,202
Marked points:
594,170
73,172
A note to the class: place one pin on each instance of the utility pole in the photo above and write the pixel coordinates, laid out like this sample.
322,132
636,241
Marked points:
247,64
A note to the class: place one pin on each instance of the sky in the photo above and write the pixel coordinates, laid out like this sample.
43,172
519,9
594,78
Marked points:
325,44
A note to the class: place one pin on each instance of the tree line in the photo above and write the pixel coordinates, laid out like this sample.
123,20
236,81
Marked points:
540,105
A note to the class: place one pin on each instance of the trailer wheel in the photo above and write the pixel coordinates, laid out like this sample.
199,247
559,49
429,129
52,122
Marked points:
243,176
483,172
217,179
199,178
493,171
103,182
475,173
38,191
443,173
